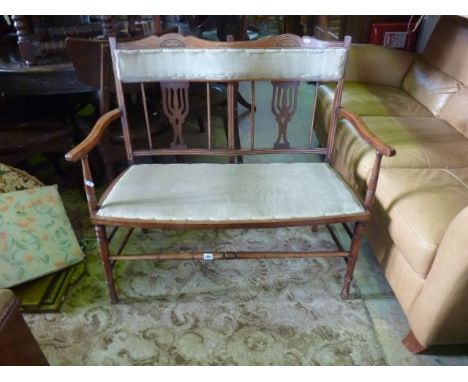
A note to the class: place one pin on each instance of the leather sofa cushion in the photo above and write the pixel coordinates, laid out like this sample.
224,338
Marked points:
419,143
447,48
419,205
373,100
456,111
430,86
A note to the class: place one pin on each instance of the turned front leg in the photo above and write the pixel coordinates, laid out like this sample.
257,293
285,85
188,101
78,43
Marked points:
104,250
358,233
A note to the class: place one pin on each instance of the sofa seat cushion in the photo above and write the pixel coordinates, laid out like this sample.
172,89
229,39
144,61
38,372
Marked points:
419,143
229,193
372,100
419,204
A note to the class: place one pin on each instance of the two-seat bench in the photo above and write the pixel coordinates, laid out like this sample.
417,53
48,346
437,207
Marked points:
230,195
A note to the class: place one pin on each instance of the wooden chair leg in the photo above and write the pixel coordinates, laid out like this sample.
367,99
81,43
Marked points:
353,255
412,344
105,150
240,159
237,143
244,102
201,124
104,249
225,125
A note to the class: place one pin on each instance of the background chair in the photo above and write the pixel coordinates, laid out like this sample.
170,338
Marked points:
31,126
93,66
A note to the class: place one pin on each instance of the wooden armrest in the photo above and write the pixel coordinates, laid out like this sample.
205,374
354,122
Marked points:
366,134
93,137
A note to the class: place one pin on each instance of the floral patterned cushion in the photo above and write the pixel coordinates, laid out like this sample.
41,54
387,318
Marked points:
36,237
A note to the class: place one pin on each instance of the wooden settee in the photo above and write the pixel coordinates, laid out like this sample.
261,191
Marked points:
230,195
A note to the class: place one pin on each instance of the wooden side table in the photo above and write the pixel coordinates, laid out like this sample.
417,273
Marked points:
18,347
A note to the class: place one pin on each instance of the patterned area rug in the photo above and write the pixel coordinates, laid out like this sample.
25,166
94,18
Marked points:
243,312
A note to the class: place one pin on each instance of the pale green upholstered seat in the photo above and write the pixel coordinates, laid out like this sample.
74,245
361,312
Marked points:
229,192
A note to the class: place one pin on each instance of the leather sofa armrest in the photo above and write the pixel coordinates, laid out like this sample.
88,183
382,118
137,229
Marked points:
439,314
378,65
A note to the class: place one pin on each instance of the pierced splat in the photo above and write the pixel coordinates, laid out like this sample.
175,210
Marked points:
176,108
283,106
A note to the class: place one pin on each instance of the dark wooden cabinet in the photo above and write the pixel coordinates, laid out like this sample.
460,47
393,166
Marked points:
18,347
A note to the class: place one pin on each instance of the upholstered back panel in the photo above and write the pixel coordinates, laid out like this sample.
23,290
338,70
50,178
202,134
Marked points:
456,111
447,48
230,64
430,86
177,62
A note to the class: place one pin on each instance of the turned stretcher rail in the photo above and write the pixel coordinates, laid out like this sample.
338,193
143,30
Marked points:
229,255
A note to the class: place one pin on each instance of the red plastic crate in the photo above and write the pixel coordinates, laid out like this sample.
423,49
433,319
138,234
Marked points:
393,35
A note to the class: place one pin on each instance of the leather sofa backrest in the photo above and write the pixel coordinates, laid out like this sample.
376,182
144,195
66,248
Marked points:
430,86
456,111
377,65
447,49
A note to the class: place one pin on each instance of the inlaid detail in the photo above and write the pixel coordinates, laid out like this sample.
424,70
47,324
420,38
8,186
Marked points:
172,43
283,106
290,42
176,108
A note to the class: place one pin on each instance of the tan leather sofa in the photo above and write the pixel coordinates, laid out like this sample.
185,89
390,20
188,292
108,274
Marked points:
419,231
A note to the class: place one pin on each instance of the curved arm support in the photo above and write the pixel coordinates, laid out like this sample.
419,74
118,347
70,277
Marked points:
364,132
93,138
